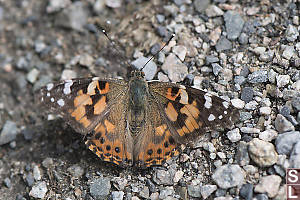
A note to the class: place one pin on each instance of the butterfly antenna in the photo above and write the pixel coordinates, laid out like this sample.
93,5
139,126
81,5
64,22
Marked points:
114,45
172,36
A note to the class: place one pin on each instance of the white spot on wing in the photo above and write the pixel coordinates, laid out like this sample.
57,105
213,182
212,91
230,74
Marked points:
225,104
50,86
208,101
225,112
61,102
48,94
52,99
211,117
220,117
68,84
91,88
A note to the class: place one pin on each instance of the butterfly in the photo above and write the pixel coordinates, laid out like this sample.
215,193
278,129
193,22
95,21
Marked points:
136,122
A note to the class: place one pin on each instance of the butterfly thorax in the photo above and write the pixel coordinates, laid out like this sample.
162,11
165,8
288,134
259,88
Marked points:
138,94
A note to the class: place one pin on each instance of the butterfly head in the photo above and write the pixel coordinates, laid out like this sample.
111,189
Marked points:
136,74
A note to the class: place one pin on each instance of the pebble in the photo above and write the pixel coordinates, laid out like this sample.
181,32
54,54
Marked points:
149,69
250,130
282,124
9,132
180,51
295,156
247,93
32,75
47,163
117,195
216,68
289,52
39,46
252,105
39,190
194,191
296,103
37,173
286,141
208,146
114,3
100,188
242,155
265,110
223,44
68,74
160,18
246,191
245,116
291,33
262,153
175,69
119,183
57,5
261,197
268,135
29,179
268,184
207,190
238,103
234,24
282,80
260,76
228,176
76,171
99,6
201,5
163,177
178,175
234,135
166,192
7,182
154,49
214,11
211,59
243,38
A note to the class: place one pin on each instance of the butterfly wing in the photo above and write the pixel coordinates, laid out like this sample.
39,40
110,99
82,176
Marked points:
95,106
191,111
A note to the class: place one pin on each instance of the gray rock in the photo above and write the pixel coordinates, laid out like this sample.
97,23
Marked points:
285,111
282,80
242,155
160,18
249,130
114,3
47,163
166,192
288,52
7,182
216,68
32,75
262,153
296,103
201,5
75,16
29,179
211,59
247,94
228,176
163,177
8,133
100,188
175,69
268,184
119,183
246,191
207,190
245,116
295,156
76,171
37,173
286,141
39,190
239,80
57,5
282,124
223,44
260,76
243,38
99,6
234,24
268,135
117,195
144,193
291,33
194,190
234,135
149,69
214,11
155,48
180,51
261,197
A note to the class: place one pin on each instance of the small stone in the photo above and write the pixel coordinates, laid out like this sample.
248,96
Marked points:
160,18
39,190
282,80
234,24
149,69
144,193
68,74
180,51
228,176
213,11
238,103
247,94
242,155
223,44
100,188
201,5
207,190
57,5
113,3
166,192
99,6
268,184
178,175
47,163
216,68
245,116
155,49
282,124
291,33
243,38
32,75
163,177
208,146
296,103
262,153
259,50
246,191
211,59
39,46
76,171
7,182
119,183
289,52
260,76
295,156
252,105
240,80
117,195
234,135
265,110
261,197
86,60
268,135
29,179
175,69
286,141
9,132
37,173
194,190
250,130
